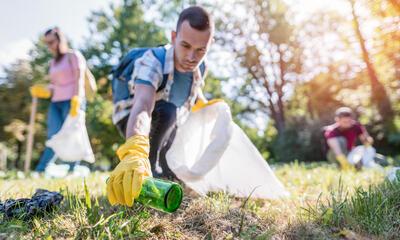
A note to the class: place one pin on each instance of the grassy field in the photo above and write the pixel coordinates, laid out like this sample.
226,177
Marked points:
324,204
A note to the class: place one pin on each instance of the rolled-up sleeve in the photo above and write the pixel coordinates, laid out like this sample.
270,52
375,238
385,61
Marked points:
148,70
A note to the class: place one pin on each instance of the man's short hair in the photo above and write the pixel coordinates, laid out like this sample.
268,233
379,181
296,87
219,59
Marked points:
198,18
344,112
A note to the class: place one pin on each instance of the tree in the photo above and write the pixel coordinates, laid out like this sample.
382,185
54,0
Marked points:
14,112
268,51
386,42
378,92
113,33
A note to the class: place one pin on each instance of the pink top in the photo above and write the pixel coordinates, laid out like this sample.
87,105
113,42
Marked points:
64,76
351,134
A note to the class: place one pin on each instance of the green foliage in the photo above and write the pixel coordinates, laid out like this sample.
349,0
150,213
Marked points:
114,33
267,53
103,134
14,112
15,93
302,140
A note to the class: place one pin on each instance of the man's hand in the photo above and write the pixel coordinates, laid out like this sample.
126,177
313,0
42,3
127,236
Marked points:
365,138
40,91
125,182
368,141
75,105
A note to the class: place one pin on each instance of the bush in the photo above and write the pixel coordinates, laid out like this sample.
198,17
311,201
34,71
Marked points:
302,140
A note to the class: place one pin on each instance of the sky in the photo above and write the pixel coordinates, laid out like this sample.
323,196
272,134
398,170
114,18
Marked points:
22,21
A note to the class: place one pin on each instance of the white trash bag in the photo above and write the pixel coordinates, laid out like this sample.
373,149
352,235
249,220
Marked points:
364,154
62,170
72,143
81,171
393,175
211,153
56,170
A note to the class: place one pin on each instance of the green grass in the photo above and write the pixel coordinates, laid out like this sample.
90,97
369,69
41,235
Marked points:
361,203
373,211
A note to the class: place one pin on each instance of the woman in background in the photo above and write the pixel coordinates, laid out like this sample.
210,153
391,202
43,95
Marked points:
66,72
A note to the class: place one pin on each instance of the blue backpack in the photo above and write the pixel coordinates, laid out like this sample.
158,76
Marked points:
122,73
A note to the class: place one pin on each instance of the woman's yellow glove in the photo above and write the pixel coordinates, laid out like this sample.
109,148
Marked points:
75,105
200,104
344,163
40,91
125,182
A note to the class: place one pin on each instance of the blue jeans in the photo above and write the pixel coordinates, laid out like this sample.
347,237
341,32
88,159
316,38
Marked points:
58,112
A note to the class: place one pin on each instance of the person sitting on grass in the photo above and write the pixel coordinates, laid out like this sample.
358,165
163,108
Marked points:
341,138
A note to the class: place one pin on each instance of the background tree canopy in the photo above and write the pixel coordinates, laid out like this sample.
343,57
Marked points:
282,75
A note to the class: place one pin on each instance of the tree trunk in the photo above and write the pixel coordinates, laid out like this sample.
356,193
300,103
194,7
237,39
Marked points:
3,157
378,93
279,90
18,162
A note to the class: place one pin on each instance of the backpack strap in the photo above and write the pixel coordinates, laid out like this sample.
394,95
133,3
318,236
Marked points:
203,69
160,53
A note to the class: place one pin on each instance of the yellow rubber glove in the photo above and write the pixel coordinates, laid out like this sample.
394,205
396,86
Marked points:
40,91
125,182
344,163
200,104
75,104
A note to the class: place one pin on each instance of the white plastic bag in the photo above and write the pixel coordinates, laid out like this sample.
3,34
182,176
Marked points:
72,143
211,153
393,175
56,170
365,155
62,170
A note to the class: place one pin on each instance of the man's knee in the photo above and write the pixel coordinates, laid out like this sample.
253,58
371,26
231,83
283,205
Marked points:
342,144
331,157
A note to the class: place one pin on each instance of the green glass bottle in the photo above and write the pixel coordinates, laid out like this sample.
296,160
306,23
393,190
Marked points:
161,194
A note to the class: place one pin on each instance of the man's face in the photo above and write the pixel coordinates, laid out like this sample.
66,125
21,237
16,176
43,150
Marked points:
344,122
190,46
52,43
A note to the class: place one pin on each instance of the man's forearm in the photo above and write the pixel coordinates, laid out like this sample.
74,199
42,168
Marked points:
139,122
366,139
335,146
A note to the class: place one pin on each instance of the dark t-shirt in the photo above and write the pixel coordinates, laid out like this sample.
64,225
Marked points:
350,134
180,89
